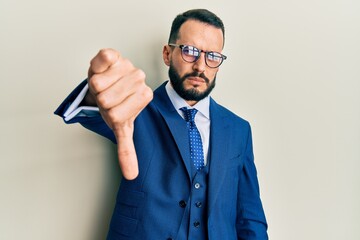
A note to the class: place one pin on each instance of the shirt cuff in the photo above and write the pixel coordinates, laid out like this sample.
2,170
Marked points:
74,110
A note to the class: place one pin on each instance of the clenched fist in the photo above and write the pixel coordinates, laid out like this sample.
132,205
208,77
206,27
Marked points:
119,90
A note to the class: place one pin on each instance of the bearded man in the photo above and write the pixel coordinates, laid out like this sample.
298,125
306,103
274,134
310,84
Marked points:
187,162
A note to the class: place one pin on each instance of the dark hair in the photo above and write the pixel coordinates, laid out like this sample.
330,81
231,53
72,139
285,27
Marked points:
201,15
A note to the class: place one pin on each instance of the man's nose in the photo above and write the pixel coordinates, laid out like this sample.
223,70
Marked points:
200,64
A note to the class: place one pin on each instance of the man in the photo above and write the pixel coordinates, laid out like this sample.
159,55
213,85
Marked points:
187,162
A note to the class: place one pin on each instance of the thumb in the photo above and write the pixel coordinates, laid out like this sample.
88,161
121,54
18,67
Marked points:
103,61
126,152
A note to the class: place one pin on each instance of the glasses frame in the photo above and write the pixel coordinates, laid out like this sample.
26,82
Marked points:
181,46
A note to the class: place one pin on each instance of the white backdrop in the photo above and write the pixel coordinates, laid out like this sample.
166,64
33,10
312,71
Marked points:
292,71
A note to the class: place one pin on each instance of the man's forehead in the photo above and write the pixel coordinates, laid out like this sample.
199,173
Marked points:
200,34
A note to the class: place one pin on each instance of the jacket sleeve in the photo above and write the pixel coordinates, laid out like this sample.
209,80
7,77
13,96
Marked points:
251,222
93,122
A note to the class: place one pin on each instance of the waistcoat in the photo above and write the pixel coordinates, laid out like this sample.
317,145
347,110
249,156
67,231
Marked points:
194,222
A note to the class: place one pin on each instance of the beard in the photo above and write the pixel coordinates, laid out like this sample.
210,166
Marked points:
192,94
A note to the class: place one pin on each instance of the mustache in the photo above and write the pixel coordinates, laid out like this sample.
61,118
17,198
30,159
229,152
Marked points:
197,74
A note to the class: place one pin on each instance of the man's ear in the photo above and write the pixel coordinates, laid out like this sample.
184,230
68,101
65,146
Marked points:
167,54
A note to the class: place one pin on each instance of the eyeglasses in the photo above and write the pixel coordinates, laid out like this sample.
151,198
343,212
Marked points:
191,54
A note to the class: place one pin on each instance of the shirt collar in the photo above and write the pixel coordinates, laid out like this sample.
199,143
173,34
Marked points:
202,106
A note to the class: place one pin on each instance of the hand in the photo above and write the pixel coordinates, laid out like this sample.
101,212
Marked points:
120,92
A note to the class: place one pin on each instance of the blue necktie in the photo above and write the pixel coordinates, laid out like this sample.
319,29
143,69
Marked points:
196,148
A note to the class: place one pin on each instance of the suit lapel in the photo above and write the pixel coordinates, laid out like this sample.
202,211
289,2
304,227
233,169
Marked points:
219,132
175,123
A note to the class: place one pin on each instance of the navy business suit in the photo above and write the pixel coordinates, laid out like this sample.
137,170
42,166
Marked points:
148,207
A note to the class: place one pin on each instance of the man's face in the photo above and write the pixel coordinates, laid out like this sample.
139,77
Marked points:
193,81
189,94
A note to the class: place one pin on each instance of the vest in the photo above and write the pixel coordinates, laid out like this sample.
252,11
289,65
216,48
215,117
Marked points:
194,222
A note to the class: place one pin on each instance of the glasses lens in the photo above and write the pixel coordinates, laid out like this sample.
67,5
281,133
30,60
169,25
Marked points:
190,53
214,59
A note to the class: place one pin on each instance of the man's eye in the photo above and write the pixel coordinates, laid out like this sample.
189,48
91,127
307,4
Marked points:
214,57
191,51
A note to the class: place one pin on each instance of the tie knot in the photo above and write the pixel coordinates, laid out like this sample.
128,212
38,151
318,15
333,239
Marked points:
189,114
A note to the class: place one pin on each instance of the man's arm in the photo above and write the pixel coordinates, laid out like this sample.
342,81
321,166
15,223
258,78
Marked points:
119,91
251,221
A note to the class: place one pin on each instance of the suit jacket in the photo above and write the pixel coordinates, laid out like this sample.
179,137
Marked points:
148,207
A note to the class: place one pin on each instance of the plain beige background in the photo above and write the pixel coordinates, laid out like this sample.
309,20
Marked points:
292,71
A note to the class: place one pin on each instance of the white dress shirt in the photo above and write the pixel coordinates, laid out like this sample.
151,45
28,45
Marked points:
202,117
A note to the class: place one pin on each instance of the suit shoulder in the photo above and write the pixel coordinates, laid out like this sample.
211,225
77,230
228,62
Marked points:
231,115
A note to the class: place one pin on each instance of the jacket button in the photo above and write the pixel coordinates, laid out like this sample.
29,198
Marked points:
196,224
182,204
197,185
198,204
